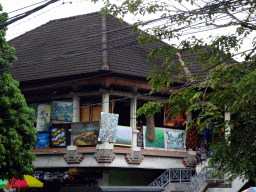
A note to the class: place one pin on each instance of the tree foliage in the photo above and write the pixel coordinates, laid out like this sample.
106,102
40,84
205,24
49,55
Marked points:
17,133
223,85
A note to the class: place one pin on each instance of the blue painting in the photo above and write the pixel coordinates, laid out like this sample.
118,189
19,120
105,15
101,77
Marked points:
175,139
62,111
43,141
58,137
123,136
108,126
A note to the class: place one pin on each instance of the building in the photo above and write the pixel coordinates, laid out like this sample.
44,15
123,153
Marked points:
93,64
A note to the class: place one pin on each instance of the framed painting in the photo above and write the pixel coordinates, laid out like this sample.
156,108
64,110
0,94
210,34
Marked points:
123,136
43,117
175,139
108,126
159,142
59,136
62,111
85,133
43,141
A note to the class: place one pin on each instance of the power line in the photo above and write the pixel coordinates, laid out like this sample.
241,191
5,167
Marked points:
26,7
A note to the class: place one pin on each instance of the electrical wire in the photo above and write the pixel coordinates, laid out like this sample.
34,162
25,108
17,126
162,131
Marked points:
26,7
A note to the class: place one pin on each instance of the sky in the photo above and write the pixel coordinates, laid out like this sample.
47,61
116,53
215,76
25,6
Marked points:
68,8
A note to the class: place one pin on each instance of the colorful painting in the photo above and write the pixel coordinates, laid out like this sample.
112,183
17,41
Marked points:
43,117
59,137
62,111
159,142
108,125
123,136
175,139
42,142
177,121
85,133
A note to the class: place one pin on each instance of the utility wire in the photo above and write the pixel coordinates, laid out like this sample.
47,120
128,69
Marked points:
26,7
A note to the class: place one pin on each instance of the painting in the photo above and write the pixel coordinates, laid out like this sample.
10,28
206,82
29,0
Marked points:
108,125
177,121
43,117
42,141
175,139
59,137
62,111
159,142
85,133
123,136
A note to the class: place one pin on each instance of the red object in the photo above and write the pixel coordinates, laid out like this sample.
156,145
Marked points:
177,121
18,183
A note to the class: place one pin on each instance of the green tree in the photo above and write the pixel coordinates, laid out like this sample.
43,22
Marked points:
223,85
17,133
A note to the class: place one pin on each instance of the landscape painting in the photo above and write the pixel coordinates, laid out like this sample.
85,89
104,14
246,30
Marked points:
85,133
159,142
123,136
62,111
175,139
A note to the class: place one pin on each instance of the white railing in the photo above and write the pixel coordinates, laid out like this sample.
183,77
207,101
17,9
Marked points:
172,175
203,177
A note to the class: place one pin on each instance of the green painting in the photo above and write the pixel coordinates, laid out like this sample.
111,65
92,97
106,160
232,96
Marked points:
158,143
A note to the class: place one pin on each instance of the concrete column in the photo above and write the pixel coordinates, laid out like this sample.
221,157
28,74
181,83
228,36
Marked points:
76,108
105,108
104,180
133,110
227,118
76,117
189,119
105,102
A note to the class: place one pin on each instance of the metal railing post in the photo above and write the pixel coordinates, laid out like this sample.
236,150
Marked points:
180,175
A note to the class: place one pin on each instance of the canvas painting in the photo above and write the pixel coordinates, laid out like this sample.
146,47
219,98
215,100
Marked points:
43,117
175,139
43,141
177,121
85,133
108,126
123,136
159,142
62,111
59,137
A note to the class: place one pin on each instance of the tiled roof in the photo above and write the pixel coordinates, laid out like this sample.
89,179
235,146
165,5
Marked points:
72,46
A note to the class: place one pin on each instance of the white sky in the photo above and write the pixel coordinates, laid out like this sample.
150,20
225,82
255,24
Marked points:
60,10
